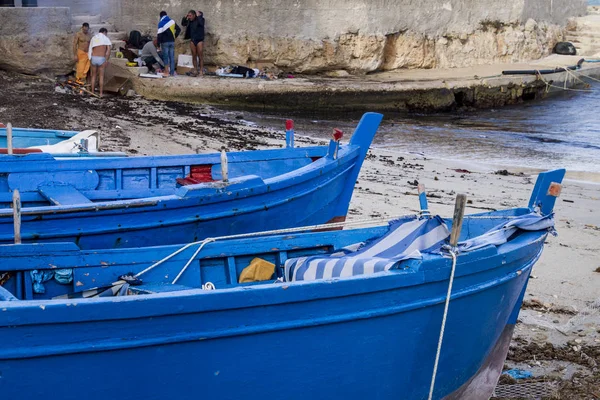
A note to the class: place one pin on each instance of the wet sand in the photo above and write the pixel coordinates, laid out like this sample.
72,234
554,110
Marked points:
558,337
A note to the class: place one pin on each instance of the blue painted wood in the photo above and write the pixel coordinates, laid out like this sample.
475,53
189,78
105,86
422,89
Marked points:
540,197
25,137
369,336
62,194
268,189
27,182
389,321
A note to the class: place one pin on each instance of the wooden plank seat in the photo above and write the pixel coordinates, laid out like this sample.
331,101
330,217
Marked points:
61,195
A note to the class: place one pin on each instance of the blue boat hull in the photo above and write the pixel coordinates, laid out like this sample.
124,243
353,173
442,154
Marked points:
368,335
23,138
315,201
135,202
336,340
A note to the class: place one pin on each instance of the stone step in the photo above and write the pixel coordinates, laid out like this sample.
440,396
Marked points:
587,34
90,19
137,70
114,36
578,39
117,43
94,28
122,63
587,51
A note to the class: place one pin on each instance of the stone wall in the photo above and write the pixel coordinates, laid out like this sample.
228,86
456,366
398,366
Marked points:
367,35
36,40
109,9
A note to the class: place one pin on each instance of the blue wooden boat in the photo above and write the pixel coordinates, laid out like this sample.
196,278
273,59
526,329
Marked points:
342,321
28,140
144,201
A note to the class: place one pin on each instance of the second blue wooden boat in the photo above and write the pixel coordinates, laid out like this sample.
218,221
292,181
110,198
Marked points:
144,201
65,143
354,314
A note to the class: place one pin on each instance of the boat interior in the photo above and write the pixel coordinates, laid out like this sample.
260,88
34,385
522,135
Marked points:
43,180
62,270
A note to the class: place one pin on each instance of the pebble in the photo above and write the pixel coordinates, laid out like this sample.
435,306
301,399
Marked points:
578,341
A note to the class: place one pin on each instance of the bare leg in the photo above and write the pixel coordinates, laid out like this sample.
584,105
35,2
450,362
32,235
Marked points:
94,70
200,51
194,55
101,77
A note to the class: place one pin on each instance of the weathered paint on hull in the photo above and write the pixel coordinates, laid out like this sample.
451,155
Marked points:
375,338
285,188
313,202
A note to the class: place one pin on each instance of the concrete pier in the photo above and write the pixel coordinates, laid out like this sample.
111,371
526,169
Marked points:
401,90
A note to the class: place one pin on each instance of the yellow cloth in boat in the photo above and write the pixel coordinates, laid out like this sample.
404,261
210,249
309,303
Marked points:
258,270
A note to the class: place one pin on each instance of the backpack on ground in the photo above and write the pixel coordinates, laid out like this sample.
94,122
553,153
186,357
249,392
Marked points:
135,39
565,48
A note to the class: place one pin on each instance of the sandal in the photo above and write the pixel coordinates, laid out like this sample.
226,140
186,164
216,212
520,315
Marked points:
192,73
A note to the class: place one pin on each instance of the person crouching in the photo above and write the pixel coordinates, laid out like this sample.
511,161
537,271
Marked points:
150,56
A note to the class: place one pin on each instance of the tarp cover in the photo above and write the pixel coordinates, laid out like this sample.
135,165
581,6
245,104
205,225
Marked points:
406,239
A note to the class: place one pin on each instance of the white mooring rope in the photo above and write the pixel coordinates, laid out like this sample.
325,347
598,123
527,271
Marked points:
443,328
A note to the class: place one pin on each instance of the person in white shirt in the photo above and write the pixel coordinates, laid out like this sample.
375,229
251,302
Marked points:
99,53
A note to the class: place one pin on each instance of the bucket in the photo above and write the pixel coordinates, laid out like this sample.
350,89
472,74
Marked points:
29,3
7,3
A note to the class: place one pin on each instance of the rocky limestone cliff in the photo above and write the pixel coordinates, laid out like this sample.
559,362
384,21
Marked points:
357,53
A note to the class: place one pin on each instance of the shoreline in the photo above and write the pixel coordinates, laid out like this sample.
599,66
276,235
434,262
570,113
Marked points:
415,90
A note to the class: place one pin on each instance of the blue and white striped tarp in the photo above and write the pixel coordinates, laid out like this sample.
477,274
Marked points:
501,234
407,238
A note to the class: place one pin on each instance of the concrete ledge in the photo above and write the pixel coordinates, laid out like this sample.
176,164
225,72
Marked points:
413,90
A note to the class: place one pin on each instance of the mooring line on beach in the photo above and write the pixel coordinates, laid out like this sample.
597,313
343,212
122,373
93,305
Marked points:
572,73
589,77
549,85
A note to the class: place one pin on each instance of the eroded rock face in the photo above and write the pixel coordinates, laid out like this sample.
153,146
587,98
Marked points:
36,40
51,55
359,53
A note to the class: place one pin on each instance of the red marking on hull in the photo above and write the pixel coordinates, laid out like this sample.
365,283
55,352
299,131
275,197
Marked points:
333,221
20,151
198,174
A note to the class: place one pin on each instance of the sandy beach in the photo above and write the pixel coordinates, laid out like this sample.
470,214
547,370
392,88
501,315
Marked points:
562,307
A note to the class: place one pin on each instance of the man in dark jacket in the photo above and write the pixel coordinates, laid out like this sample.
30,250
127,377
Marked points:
168,30
195,32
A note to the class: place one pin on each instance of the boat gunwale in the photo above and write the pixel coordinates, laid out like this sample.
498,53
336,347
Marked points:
275,183
347,283
164,338
49,162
